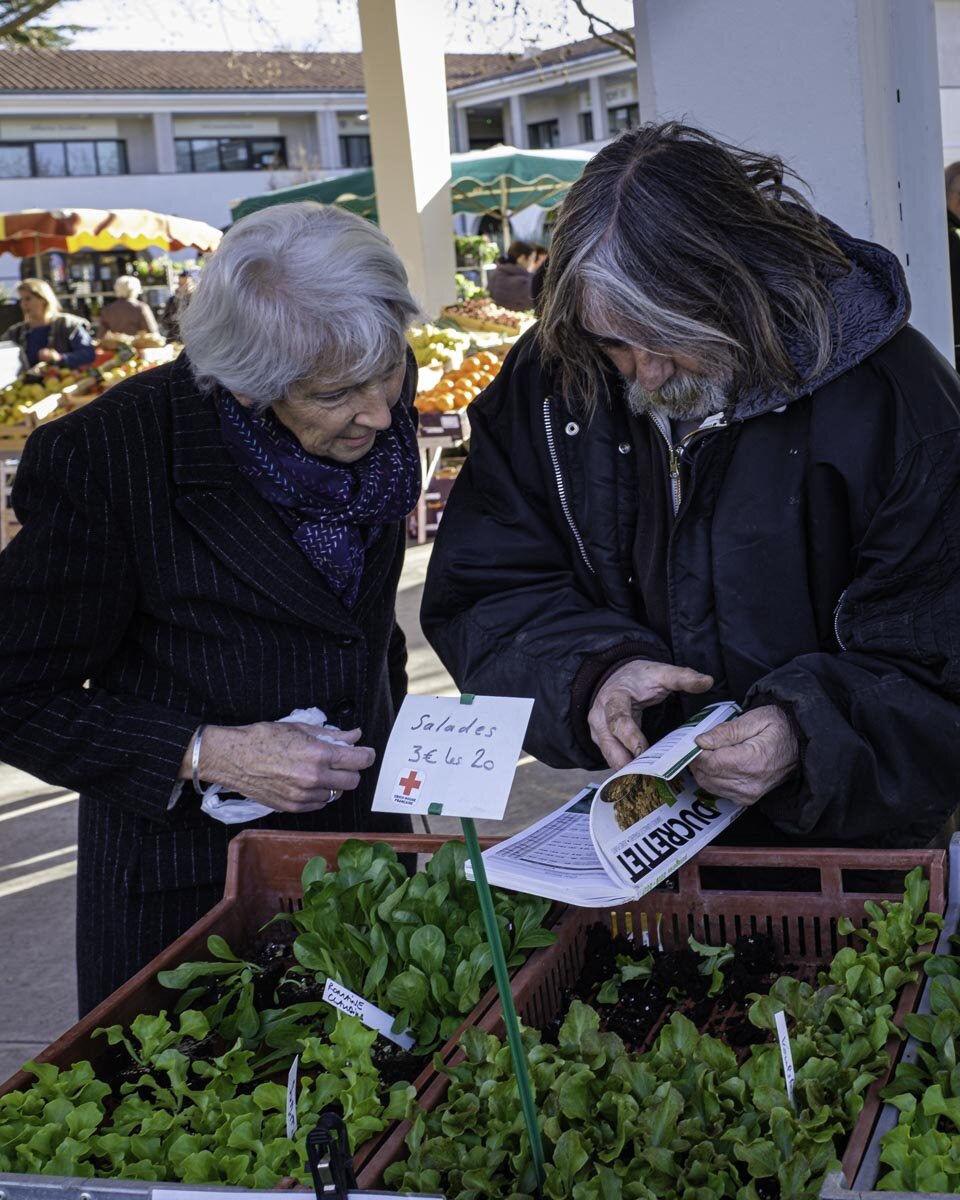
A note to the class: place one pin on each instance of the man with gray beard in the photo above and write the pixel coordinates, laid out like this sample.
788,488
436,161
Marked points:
723,466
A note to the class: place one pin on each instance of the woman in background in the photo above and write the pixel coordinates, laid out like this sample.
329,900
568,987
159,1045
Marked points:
47,335
511,284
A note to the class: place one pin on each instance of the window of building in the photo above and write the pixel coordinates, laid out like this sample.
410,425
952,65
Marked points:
230,154
624,116
15,161
355,150
586,127
543,135
23,160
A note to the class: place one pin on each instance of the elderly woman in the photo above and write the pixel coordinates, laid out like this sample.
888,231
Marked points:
209,546
47,335
128,313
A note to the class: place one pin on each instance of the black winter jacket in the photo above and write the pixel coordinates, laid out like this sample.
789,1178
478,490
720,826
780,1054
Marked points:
813,562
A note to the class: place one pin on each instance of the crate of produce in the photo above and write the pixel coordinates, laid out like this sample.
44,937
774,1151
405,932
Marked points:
789,903
264,878
861,1183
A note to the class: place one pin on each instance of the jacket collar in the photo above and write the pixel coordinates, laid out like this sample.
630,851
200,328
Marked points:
871,303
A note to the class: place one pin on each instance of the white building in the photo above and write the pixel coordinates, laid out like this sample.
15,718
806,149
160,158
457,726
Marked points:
189,132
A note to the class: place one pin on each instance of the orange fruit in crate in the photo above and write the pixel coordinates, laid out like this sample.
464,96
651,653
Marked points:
445,384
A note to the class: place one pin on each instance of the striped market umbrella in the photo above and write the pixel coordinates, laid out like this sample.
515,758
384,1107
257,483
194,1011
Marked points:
35,231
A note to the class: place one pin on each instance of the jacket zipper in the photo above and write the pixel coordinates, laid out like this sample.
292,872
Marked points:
676,452
561,488
836,621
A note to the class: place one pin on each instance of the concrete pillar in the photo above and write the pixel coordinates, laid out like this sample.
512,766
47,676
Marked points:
598,106
410,139
328,141
164,148
863,74
461,129
518,123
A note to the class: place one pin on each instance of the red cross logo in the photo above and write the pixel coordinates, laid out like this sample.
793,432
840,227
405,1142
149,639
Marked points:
411,784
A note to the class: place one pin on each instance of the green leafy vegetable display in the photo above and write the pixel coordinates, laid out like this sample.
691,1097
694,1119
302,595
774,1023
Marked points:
191,1119
412,944
197,1097
683,1119
922,1151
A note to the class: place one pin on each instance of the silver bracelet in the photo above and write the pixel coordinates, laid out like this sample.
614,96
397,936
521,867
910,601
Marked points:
195,758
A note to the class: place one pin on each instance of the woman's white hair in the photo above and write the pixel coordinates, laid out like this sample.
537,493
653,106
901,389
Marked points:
127,287
297,292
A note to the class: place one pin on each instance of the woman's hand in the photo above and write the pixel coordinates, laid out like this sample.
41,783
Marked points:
50,356
282,764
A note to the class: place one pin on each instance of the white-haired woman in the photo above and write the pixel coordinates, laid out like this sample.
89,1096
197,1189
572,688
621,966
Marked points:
46,334
212,545
128,313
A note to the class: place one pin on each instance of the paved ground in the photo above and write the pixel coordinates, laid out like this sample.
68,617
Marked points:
38,863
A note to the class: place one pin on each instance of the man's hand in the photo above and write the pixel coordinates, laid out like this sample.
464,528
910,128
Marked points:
49,356
614,717
747,757
282,764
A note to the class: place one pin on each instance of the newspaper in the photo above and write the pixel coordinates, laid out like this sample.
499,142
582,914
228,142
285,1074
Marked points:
582,855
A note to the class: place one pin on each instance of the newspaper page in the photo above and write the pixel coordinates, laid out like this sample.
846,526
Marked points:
555,858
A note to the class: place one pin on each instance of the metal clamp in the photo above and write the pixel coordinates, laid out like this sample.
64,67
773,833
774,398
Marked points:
328,1154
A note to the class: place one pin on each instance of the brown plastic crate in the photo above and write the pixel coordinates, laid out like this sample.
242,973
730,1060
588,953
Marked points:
803,924
263,879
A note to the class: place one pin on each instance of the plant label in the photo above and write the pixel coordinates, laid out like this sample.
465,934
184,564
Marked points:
453,756
292,1098
789,1074
374,1018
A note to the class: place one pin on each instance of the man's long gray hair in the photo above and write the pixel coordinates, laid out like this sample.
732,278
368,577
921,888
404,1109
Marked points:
678,243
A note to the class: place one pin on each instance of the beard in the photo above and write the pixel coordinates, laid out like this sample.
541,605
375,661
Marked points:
684,397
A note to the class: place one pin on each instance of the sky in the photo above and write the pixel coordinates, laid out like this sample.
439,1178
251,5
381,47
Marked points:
472,25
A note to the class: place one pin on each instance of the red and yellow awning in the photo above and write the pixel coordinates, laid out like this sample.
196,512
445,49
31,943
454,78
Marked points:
36,231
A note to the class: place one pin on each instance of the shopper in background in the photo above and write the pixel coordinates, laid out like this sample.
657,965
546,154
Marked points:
722,466
952,180
173,309
206,548
47,335
127,314
511,283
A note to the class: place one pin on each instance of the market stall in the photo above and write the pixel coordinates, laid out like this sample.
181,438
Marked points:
457,358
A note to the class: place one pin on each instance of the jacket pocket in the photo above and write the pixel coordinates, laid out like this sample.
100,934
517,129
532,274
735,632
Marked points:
177,859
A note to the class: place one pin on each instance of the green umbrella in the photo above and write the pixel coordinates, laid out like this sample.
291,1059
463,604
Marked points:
501,179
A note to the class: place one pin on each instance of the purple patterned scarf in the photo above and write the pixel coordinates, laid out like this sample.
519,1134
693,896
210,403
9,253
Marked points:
336,510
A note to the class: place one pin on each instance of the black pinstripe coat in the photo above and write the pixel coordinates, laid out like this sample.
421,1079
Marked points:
152,588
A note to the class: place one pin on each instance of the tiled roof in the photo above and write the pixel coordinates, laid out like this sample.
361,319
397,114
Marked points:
30,70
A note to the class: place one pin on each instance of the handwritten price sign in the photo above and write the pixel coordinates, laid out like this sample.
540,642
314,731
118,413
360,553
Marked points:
449,757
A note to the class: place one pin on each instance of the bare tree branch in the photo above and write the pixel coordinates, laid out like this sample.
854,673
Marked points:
620,39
